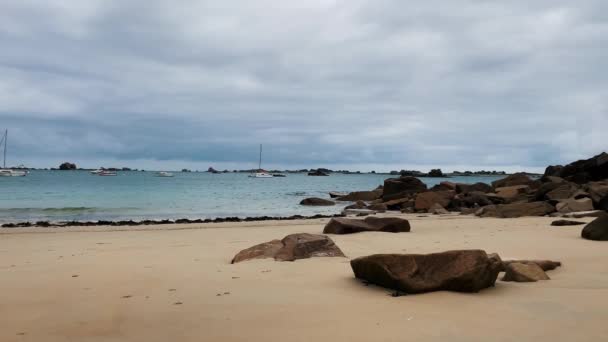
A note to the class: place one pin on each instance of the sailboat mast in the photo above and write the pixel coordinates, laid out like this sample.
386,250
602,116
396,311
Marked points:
5,143
260,163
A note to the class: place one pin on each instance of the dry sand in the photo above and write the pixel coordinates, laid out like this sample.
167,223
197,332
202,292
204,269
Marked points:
176,284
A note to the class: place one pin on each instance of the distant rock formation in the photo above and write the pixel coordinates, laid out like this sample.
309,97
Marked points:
318,172
67,166
582,171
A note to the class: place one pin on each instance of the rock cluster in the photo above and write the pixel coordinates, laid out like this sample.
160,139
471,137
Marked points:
342,225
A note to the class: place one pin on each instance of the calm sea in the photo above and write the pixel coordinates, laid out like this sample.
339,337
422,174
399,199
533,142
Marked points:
79,195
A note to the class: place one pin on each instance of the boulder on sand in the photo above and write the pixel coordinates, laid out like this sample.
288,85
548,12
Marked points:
582,171
516,210
315,201
597,229
598,191
462,188
291,248
462,271
401,187
512,193
545,265
340,225
437,209
523,273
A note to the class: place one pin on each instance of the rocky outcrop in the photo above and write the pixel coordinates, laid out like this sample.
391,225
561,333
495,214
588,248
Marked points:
378,207
395,188
597,229
582,171
291,248
437,209
315,201
357,205
562,223
361,196
425,200
516,210
523,273
317,173
461,271
67,166
341,225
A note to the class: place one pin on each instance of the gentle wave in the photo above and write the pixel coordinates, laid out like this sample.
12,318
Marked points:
63,210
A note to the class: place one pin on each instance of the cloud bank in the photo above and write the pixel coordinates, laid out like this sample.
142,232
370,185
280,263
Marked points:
347,84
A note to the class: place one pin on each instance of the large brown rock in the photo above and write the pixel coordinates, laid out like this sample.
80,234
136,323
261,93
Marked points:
462,188
401,187
515,179
563,191
425,200
341,225
574,205
314,201
291,248
598,191
523,273
597,229
512,193
361,196
462,271
516,210
582,171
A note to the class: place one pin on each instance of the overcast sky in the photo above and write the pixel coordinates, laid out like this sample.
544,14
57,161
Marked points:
383,84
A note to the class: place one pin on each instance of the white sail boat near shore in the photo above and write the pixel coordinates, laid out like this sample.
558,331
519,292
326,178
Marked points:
261,173
4,172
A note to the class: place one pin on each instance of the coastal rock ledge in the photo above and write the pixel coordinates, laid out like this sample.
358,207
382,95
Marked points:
291,248
460,271
369,224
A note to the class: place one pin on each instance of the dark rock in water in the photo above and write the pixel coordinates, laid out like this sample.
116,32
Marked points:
545,265
369,224
317,173
395,188
597,230
582,171
357,205
516,210
436,173
67,166
291,248
523,273
462,271
361,196
335,194
516,179
462,188
561,223
425,200
314,201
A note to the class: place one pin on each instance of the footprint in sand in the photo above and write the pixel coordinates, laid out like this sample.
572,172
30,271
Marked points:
127,296
172,290
74,275
178,303
236,277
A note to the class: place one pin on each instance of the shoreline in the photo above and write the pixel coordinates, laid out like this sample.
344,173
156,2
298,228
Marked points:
121,223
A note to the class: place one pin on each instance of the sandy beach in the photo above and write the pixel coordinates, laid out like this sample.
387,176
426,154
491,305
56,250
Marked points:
177,283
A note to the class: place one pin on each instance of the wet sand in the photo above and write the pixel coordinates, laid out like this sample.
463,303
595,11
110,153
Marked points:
176,283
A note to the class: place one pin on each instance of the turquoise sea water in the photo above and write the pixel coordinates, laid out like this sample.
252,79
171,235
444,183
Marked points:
79,195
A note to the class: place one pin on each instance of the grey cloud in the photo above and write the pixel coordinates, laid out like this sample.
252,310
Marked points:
479,83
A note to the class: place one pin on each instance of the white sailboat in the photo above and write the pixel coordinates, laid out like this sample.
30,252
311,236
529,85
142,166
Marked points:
261,173
4,172
164,174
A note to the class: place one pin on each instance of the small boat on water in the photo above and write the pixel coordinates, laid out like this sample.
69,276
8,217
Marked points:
261,173
164,174
96,172
106,173
4,172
